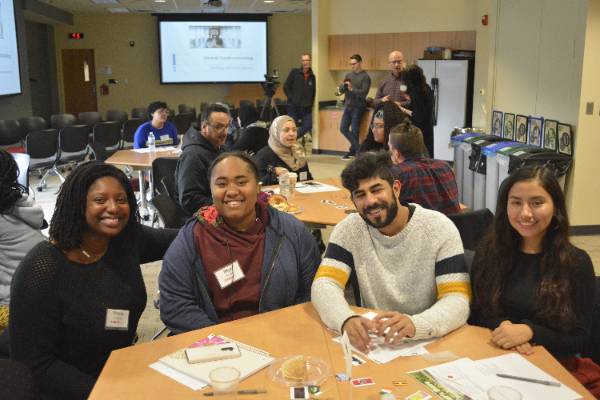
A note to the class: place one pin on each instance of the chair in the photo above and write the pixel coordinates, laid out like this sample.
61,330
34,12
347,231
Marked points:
246,102
42,147
163,174
167,210
89,117
11,134
185,109
73,144
139,112
98,152
108,134
129,128
116,115
252,139
30,124
472,226
593,347
183,122
60,121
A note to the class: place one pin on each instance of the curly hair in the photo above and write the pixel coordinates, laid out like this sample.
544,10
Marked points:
10,189
365,166
497,252
68,221
414,78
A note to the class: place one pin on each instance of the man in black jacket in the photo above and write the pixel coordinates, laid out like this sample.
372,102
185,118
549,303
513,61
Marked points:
200,148
299,88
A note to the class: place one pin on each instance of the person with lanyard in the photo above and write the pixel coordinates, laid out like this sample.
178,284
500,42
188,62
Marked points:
238,257
165,132
283,153
392,88
531,286
300,89
385,117
79,296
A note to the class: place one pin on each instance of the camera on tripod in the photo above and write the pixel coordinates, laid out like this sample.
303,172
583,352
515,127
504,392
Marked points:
270,84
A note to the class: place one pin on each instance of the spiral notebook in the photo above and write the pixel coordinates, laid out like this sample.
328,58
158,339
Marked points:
251,361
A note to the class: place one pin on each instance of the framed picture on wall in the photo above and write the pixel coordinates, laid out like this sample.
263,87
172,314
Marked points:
521,130
534,134
565,139
497,123
550,134
508,131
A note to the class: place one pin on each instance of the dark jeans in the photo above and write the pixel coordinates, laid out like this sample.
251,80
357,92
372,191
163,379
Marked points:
350,126
303,118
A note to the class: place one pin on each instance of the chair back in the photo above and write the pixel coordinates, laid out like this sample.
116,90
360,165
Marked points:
163,172
73,143
183,122
99,152
252,139
472,226
129,128
10,132
42,147
30,124
60,121
139,112
116,115
167,210
186,109
108,134
22,161
89,117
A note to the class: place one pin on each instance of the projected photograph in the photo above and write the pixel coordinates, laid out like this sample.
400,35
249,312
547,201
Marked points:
215,37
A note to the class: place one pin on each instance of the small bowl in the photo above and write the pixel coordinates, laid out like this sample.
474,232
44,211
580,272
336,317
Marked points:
317,372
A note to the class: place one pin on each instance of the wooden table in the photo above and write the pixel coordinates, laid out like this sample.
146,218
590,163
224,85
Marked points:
295,330
322,208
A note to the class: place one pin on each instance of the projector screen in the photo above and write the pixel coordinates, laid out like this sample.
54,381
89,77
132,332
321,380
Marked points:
10,78
212,51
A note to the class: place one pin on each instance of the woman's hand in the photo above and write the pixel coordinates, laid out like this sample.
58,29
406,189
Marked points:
406,111
509,335
280,170
525,349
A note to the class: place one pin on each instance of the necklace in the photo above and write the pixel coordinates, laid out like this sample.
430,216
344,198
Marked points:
88,255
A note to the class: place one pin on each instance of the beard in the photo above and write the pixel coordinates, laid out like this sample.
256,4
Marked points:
391,210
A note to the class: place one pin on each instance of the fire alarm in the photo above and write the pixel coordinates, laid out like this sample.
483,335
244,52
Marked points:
484,20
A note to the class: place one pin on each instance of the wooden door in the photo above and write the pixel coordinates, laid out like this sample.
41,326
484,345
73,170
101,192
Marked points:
79,79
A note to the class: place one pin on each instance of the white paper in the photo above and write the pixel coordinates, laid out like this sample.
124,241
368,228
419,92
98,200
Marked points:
158,149
192,383
317,187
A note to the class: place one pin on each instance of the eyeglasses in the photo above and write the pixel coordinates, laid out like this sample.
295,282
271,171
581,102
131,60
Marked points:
353,63
217,127
397,62
377,126
162,111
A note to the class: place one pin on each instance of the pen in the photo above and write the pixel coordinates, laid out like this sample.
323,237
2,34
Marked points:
521,378
247,391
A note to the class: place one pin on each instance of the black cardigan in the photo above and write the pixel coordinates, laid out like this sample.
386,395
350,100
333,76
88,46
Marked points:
267,160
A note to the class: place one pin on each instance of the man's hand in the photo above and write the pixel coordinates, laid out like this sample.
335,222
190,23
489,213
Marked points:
509,335
349,85
525,349
358,332
385,98
400,326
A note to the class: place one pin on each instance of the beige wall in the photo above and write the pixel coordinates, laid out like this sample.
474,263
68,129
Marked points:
137,68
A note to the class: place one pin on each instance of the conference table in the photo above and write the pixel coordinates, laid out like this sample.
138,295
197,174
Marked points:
289,331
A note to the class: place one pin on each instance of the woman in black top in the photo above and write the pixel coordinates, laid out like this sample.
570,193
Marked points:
531,286
80,296
385,117
421,103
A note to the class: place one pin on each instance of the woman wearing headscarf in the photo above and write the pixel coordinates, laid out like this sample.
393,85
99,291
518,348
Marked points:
385,117
283,153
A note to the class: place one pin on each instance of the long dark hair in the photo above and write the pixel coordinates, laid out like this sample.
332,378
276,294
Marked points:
414,78
68,221
495,257
10,189
392,116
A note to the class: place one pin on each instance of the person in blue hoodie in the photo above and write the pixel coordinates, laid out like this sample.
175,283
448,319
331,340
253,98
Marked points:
238,257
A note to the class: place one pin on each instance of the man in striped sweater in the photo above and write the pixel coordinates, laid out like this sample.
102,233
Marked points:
409,263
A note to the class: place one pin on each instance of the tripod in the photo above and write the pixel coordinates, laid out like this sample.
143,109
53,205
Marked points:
268,103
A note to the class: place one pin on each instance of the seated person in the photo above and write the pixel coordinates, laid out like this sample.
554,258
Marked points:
531,286
20,224
79,296
238,257
164,131
425,181
409,263
200,148
385,116
254,134
283,153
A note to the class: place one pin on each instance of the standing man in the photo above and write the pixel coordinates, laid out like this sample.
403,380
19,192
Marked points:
392,88
355,86
299,88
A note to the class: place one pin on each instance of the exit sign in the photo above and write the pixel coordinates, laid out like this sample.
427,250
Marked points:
75,35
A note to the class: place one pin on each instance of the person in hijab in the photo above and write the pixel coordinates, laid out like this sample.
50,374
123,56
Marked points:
386,116
283,153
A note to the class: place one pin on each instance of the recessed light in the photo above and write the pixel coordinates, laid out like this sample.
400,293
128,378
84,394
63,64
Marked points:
269,1
160,1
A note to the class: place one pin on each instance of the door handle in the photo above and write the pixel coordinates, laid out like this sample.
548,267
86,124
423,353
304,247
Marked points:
435,85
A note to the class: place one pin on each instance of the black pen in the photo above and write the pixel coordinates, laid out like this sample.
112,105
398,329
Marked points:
521,378
247,391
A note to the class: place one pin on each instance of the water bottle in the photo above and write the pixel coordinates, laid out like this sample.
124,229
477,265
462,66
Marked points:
151,142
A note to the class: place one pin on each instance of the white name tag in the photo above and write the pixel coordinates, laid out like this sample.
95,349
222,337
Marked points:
117,320
303,176
165,137
229,274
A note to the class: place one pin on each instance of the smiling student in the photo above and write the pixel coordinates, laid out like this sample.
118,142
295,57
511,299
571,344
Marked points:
238,257
79,296
165,132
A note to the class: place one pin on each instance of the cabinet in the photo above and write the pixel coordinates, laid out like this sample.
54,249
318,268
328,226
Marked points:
330,137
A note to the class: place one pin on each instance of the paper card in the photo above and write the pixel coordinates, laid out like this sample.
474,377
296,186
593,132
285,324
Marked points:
356,360
418,395
359,382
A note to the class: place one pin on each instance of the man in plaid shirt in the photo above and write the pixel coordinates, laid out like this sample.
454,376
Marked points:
425,181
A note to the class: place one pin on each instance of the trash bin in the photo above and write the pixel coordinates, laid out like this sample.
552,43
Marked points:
503,159
459,158
560,163
491,167
477,164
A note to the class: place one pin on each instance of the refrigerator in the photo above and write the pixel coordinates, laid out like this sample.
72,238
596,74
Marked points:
452,85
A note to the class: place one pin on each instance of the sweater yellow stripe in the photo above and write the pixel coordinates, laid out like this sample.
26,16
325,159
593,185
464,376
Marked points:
338,275
463,288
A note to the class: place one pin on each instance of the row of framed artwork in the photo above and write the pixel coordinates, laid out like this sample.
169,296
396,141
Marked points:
537,131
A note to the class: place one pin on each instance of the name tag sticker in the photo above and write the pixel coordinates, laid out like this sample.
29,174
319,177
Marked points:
229,274
116,320
165,137
303,176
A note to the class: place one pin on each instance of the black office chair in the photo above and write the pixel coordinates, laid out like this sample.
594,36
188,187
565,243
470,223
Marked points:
89,117
60,121
186,109
167,210
73,145
30,124
163,174
108,134
472,226
183,122
42,147
252,139
129,128
116,115
11,134
139,112
246,102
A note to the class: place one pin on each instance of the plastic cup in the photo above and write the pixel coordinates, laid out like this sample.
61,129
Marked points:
503,393
224,380
293,179
284,185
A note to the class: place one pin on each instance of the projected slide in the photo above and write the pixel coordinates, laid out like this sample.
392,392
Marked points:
10,80
219,51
